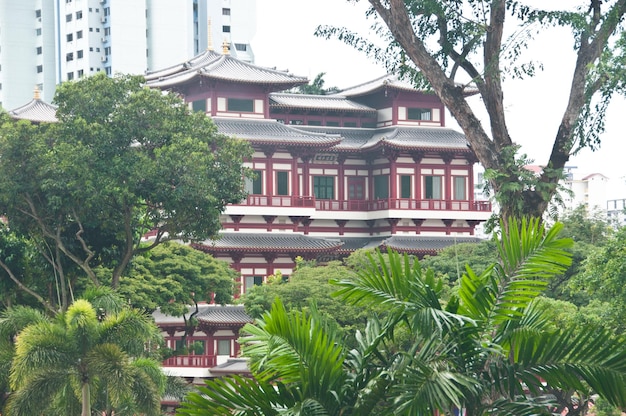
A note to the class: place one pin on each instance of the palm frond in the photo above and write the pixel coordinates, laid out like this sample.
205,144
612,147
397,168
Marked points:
42,345
235,395
296,347
34,397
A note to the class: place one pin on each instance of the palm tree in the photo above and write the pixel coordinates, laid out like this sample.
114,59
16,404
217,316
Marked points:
485,349
496,350
82,360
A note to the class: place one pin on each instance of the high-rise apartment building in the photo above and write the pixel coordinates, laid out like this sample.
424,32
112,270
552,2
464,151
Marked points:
43,42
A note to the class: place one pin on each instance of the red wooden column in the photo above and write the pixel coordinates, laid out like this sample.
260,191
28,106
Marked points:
341,192
295,183
306,191
470,186
447,159
393,177
269,170
417,158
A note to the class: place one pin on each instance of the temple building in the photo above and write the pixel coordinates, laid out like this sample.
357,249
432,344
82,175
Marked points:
371,166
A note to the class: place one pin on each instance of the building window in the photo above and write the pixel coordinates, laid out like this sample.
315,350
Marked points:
107,70
296,122
69,37
254,185
107,31
79,34
332,123
424,114
226,29
405,186
459,188
240,105
79,54
70,76
242,47
39,50
199,105
251,281
91,49
349,124
432,187
223,347
79,14
314,123
107,51
91,29
39,69
225,12
68,17
97,30
282,183
381,186
324,187
38,31
69,56
80,73
38,13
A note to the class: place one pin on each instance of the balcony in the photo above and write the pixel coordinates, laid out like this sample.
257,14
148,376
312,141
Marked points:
193,361
366,205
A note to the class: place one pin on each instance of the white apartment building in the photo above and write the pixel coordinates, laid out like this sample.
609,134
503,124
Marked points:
45,42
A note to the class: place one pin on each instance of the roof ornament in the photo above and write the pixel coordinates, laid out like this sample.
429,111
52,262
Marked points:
36,93
225,47
209,44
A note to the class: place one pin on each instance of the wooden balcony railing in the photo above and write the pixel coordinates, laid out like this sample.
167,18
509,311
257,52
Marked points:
195,361
365,205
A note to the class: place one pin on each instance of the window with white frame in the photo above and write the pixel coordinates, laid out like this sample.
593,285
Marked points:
459,192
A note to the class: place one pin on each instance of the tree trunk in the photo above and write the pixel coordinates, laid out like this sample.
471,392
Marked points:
86,400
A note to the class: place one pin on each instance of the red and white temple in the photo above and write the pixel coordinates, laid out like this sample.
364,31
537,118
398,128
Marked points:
370,166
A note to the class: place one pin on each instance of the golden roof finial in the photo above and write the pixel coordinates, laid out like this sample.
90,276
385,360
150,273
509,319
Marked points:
36,93
209,44
225,47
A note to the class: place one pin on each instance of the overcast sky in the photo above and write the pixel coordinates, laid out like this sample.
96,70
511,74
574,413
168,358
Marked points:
285,40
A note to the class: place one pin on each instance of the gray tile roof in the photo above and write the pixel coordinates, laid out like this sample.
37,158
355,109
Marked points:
318,102
398,137
261,131
37,111
228,314
351,244
274,242
225,68
208,314
416,244
232,366
392,82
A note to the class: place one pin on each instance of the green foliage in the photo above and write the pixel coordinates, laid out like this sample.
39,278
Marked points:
316,87
82,359
495,348
172,276
446,46
123,160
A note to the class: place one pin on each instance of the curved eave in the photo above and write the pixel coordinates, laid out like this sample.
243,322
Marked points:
324,109
287,143
260,249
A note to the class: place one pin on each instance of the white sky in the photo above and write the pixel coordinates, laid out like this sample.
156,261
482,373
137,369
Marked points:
285,39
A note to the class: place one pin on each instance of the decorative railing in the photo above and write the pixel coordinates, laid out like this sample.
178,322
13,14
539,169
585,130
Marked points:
365,205
196,361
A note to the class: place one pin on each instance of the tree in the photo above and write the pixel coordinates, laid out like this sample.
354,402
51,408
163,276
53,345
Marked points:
603,275
316,86
83,360
307,286
450,45
123,160
487,350
301,367
173,276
